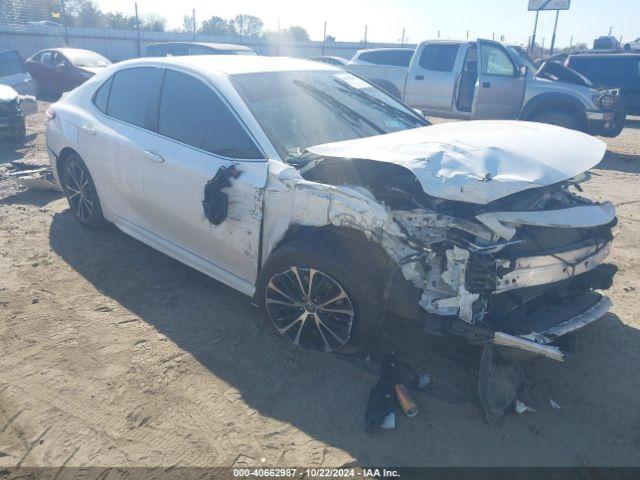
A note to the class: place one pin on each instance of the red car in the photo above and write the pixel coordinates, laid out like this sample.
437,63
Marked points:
59,70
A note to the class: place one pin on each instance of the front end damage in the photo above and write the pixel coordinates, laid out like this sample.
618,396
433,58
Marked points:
519,270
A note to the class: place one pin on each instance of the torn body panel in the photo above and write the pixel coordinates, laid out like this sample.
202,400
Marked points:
480,265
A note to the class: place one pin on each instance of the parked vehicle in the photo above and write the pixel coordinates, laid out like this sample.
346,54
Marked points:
59,70
335,61
632,46
14,74
13,108
329,224
620,71
46,23
179,49
488,80
608,43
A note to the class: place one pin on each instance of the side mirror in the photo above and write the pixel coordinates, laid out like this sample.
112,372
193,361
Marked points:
523,70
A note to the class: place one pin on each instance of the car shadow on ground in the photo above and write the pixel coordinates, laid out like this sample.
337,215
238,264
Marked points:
38,198
620,162
325,395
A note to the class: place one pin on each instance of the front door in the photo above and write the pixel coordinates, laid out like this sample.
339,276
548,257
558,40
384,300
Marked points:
500,86
199,136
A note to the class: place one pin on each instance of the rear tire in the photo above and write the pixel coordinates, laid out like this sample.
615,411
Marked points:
81,193
560,118
344,307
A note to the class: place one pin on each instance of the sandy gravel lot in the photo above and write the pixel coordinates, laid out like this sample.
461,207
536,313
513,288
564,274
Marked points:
112,354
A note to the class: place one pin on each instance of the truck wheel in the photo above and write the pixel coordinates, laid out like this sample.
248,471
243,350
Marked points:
81,193
560,118
319,296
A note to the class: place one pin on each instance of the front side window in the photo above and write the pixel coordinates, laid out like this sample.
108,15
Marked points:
130,92
495,61
439,58
299,109
192,113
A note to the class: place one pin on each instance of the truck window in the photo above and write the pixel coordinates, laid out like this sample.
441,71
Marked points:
394,58
495,61
439,58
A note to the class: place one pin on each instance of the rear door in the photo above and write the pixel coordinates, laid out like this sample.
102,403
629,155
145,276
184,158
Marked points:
198,134
500,88
111,142
432,76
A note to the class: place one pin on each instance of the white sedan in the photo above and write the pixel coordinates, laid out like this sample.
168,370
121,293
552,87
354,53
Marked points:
331,203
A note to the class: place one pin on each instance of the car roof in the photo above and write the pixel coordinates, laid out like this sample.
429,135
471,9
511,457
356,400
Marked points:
216,46
232,64
605,55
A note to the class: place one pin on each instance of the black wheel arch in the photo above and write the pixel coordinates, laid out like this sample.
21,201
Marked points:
554,101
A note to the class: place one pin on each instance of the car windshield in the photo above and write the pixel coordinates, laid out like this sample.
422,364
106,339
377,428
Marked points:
300,109
523,58
88,59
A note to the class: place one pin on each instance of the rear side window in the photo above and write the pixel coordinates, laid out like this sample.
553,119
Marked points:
395,58
439,58
192,113
130,91
101,97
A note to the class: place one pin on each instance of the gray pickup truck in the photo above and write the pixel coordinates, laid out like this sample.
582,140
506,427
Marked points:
484,79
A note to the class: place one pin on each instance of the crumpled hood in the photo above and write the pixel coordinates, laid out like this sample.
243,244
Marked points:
7,93
478,161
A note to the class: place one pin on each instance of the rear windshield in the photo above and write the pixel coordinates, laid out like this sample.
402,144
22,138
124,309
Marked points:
10,64
618,71
88,59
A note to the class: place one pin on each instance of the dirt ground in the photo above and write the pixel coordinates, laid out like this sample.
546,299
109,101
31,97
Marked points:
112,354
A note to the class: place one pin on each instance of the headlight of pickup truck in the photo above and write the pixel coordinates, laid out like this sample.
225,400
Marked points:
605,101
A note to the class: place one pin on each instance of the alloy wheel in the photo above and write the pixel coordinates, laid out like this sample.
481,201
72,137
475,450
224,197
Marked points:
79,193
309,308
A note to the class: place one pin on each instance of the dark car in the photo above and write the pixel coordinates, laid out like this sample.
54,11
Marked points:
59,70
180,49
615,70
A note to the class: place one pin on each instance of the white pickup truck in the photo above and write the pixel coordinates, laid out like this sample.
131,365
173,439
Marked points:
484,79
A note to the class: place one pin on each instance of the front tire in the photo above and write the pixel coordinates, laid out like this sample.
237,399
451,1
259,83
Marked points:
81,193
560,118
322,293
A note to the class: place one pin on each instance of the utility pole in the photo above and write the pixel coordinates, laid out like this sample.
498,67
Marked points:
137,29
365,36
402,42
535,29
193,18
553,37
493,36
571,45
610,30
467,34
324,37
438,33
64,22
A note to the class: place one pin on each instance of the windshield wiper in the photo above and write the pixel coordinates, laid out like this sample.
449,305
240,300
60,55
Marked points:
385,107
333,102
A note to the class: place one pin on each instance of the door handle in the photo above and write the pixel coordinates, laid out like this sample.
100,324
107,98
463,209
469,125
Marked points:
154,157
419,77
89,129
486,84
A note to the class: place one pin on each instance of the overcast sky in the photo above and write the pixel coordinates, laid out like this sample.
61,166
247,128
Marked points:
422,19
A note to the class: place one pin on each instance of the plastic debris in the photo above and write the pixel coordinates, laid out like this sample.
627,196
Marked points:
389,421
421,380
555,405
521,407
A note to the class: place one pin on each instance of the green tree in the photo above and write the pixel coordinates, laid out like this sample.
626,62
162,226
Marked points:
120,21
247,26
217,26
298,33
153,22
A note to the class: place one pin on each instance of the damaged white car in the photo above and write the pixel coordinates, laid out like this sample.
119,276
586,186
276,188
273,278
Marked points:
333,204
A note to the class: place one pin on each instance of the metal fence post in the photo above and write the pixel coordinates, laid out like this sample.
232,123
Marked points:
137,30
